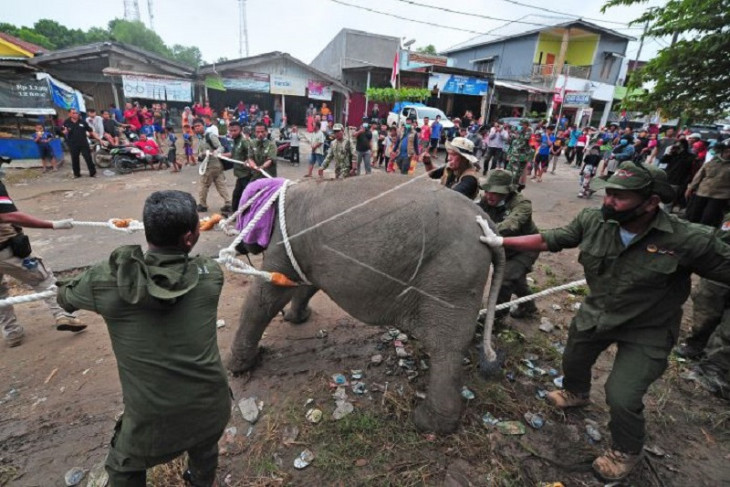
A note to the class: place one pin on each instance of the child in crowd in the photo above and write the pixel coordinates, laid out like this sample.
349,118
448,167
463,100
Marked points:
43,140
588,171
148,129
188,145
294,144
172,150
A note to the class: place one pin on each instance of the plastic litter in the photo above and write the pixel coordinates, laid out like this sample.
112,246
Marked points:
108,173
356,374
98,476
556,307
220,323
535,420
401,352
376,359
594,436
553,372
359,388
402,337
465,361
340,394
421,395
546,325
510,376
339,379
467,394
531,357
398,344
558,381
576,306
308,402
343,409
314,416
489,420
321,333
407,364
393,332
249,409
511,428
304,459
74,476
559,347
423,365
541,394
289,435
656,451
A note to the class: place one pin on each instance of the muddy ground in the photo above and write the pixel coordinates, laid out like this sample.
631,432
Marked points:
59,393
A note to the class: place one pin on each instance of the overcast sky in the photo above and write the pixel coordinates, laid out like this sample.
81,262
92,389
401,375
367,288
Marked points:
304,27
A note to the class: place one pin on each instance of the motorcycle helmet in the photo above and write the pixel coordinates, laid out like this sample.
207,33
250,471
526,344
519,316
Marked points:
133,137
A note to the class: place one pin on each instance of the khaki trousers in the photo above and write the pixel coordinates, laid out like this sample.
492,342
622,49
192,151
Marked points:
213,175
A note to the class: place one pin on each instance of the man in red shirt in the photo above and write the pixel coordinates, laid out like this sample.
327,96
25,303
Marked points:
151,150
425,135
131,117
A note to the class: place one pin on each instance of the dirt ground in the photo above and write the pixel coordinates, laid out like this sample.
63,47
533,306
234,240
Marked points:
60,393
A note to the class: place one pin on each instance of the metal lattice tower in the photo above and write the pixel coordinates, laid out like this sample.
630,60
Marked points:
242,28
152,15
131,10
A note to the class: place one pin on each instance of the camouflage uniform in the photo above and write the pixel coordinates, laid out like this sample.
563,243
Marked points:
341,152
519,154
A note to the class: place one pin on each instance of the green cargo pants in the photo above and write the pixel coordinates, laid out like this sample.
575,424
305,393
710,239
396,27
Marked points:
127,470
717,351
709,301
515,281
635,368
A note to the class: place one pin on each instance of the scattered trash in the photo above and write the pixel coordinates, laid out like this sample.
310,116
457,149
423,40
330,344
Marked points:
576,306
220,323
510,376
528,363
321,333
467,394
359,388
556,307
553,372
85,372
249,431
249,409
656,451
38,401
402,352
527,371
356,374
402,337
465,361
420,395
398,344
511,428
394,332
314,416
50,376
530,280
558,381
98,476
411,374
74,476
407,364
289,435
339,379
109,173
535,420
304,459
229,438
343,409
541,394
376,359
531,357
361,462
592,431
278,460
340,394
546,325
559,347
11,394
308,402
423,365
489,420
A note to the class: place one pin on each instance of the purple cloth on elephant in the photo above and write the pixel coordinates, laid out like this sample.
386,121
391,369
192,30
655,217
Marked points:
260,234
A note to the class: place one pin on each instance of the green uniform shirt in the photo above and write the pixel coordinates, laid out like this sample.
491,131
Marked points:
341,152
637,291
261,151
160,309
513,219
239,152
210,142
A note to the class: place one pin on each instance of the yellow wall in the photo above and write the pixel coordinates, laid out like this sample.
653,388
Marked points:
10,50
579,53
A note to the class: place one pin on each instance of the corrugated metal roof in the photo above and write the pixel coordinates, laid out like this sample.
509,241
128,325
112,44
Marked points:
27,46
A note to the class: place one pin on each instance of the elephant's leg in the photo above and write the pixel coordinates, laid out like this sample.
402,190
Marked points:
299,311
446,335
263,301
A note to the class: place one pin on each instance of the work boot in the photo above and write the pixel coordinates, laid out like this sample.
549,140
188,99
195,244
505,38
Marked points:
688,351
69,323
615,465
226,209
524,310
14,338
202,209
565,399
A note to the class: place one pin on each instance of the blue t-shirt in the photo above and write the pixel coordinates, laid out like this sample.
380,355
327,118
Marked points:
148,130
243,117
436,130
45,139
574,137
544,149
187,139
117,114
171,138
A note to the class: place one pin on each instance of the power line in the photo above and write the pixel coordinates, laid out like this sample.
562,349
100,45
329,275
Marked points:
543,9
443,9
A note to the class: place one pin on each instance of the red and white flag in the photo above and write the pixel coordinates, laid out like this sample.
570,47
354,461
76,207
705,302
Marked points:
396,69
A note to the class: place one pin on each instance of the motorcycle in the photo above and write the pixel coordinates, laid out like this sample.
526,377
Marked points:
101,153
126,159
283,146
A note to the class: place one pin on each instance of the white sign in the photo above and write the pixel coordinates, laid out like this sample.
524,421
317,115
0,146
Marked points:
581,99
157,88
283,85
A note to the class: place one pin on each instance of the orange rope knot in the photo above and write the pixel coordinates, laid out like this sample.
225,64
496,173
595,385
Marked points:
122,222
281,280
209,223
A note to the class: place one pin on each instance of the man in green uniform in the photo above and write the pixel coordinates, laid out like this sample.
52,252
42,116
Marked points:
512,213
239,152
341,152
209,146
160,308
638,261
261,153
519,154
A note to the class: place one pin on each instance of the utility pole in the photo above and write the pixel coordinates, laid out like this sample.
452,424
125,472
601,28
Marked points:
242,29
152,14
131,10
641,45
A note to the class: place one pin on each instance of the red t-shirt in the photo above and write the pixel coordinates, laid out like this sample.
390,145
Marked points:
148,146
130,117
426,132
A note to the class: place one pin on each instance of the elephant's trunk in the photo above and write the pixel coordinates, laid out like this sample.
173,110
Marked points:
498,260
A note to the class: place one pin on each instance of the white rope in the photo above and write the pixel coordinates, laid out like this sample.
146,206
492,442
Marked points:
285,236
129,227
226,226
28,298
541,294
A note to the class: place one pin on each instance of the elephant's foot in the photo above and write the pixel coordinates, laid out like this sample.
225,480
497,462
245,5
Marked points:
429,421
297,317
239,363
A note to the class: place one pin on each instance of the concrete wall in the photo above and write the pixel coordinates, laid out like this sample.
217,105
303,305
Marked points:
329,60
514,59
608,43
375,50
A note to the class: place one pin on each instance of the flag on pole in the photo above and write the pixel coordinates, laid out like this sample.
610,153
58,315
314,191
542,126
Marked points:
396,69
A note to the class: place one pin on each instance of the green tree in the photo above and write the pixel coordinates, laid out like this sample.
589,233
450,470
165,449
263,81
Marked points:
689,78
137,34
429,49
29,35
8,29
97,34
189,55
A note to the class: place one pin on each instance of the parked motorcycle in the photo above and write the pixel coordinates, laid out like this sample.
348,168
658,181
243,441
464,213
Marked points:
127,158
101,153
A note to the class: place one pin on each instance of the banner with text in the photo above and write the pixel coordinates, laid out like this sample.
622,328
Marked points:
319,90
577,99
460,85
23,95
284,85
248,82
157,88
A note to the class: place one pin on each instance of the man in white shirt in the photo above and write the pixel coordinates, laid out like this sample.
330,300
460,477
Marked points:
317,142
496,139
95,122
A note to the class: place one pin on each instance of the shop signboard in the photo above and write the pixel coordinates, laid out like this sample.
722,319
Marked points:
319,90
246,81
457,84
25,95
285,85
577,99
163,89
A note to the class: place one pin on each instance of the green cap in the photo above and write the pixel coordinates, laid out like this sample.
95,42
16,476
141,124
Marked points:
499,181
638,177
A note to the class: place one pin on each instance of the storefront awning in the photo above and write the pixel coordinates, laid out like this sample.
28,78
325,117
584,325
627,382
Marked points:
520,87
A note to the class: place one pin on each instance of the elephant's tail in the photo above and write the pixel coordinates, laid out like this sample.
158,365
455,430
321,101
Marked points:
498,260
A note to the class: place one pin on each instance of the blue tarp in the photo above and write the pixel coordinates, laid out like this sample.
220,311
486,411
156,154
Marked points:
62,97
